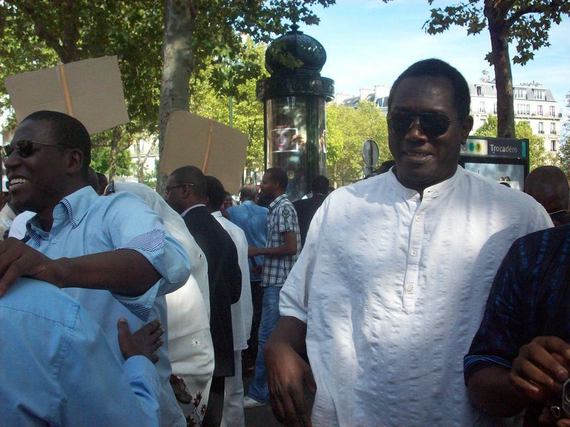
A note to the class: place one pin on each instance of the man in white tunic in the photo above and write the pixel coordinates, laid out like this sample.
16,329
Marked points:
390,287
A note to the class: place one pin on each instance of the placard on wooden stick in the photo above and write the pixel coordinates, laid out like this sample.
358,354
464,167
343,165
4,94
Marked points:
90,90
215,148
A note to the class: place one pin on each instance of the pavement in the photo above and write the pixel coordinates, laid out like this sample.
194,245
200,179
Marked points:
261,416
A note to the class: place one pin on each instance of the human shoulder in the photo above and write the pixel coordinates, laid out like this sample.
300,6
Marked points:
494,191
376,186
40,300
543,241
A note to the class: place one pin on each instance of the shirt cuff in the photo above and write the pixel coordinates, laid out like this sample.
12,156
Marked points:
145,383
141,305
475,362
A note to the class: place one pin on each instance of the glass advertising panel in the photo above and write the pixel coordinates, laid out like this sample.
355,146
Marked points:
508,174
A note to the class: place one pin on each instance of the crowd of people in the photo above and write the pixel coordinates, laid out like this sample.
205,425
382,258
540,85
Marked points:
422,295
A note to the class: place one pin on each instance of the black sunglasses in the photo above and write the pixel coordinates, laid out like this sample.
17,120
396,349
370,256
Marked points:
432,124
24,148
172,187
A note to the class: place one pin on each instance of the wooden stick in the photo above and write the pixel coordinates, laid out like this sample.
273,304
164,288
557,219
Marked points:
66,95
208,148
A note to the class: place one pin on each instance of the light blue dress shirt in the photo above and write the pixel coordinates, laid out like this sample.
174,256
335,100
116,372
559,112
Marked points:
252,219
58,369
85,223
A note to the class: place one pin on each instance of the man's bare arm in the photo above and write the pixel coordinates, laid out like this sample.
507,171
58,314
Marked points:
287,373
491,391
536,375
289,247
123,271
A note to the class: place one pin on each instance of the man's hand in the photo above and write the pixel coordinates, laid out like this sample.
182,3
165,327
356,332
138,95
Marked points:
287,376
252,251
18,259
540,368
146,341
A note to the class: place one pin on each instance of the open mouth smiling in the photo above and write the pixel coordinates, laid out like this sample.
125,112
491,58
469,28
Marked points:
14,183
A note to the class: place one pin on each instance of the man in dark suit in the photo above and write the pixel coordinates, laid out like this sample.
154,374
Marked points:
186,193
306,208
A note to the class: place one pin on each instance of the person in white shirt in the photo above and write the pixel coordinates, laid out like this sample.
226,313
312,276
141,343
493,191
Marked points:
190,348
391,285
242,311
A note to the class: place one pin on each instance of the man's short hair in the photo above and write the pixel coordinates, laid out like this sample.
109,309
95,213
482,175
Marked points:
278,176
215,192
248,192
68,132
191,175
437,68
320,185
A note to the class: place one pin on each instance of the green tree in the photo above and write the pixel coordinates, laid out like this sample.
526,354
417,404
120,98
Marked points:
209,32
347,129
525,21
234,105
537,153
40,33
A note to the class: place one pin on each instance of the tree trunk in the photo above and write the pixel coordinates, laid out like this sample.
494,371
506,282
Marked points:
502,64
177,66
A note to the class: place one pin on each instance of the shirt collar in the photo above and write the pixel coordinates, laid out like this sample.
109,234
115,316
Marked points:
434,190
217,214
75,206
190,208
72,208
277,201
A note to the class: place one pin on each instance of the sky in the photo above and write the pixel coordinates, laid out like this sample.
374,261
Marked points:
370,43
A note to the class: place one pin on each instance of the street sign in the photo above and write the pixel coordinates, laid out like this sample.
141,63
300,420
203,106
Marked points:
370,153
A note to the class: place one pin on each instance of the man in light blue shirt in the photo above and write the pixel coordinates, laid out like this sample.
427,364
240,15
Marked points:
112,254
252,219
58,369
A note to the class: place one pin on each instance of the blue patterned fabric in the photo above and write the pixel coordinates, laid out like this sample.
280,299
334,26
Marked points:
530,297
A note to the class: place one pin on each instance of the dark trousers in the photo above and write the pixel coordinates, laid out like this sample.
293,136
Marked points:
215,409
250,354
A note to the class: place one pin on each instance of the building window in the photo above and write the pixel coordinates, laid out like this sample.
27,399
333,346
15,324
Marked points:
495,108
482,107
540,127
479,91
553,128
553,145
539,94
539,110
552,111
520,93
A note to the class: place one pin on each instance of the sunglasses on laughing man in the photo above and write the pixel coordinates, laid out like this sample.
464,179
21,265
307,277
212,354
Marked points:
24,148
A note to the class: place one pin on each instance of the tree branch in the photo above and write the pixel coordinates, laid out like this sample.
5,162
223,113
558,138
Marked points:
551,7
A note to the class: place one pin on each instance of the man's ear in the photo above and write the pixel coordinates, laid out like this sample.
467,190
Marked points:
466,126
74,161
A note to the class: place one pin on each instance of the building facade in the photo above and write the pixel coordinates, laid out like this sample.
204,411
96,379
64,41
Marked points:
532,103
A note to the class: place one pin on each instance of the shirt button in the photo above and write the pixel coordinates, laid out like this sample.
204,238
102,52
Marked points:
409,288
413,253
